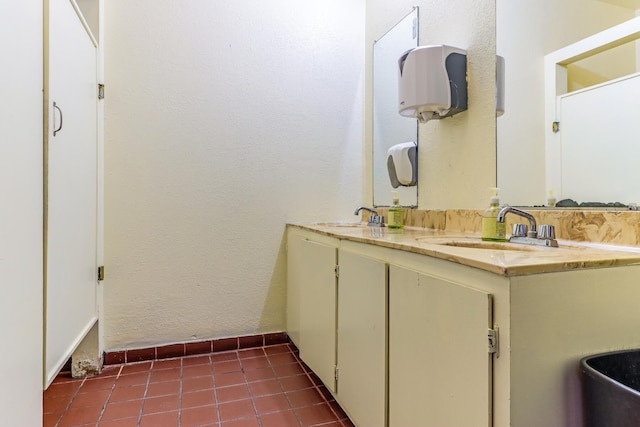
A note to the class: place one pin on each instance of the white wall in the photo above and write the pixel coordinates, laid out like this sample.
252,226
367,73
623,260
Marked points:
21,214
223,121
457,155
526,32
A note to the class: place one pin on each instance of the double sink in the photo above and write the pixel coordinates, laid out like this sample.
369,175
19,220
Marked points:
460,242
503,258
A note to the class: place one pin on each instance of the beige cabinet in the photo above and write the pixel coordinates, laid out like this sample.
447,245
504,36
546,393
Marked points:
362,338
337,316
546,323
408,348
438,318
439,361
556,319
311,308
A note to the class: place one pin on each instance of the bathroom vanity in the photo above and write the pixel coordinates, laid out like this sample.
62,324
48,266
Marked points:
435,328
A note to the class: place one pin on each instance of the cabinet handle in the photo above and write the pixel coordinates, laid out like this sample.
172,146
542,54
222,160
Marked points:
56,130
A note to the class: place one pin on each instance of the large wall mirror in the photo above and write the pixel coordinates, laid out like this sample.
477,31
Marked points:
389,127
526,31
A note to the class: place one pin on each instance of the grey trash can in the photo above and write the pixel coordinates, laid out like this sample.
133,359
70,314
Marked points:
611,389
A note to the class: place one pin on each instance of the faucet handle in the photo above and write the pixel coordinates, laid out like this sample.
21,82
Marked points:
546,231
376,221
519,230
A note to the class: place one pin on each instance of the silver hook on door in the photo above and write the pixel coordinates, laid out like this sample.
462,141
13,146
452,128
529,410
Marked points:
54,119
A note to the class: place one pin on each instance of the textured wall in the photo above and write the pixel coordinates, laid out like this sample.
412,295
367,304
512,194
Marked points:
457,155
223,121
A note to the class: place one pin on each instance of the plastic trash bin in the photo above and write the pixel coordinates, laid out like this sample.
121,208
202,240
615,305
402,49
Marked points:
611,386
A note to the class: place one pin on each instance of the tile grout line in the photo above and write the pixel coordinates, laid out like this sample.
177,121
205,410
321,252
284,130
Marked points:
246,383
73,396
144,396
180,394
324,398
106,402
297,359
215,392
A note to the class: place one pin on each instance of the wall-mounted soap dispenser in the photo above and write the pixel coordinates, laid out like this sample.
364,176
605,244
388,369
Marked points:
402,164
432,82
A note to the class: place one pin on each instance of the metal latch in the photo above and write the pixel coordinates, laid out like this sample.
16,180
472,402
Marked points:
492,336
101,273
337,270
100,91
555,127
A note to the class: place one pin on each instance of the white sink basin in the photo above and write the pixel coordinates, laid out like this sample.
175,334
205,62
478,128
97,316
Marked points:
475,244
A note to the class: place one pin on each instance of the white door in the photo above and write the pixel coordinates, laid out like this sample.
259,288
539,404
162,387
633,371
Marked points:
591,130
71,171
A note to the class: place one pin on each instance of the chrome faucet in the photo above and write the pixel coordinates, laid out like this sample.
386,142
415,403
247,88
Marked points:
533,229
545,238
375,220
359,208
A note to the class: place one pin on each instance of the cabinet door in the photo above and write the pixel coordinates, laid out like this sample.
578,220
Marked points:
362,339
316,277
71,210
439,364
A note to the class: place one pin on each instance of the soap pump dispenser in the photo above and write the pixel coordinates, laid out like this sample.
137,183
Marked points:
492,230
396,213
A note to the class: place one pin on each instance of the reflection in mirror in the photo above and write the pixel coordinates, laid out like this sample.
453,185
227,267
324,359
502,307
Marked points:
389,127
525,33
594,103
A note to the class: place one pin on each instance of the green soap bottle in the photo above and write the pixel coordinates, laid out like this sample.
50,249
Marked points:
492,230
396,213
551,200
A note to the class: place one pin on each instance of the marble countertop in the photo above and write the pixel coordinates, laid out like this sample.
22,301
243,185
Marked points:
505,259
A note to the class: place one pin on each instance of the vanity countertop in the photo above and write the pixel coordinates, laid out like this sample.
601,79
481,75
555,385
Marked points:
505,259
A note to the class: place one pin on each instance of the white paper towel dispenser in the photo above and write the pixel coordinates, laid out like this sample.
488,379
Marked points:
402,164
432,82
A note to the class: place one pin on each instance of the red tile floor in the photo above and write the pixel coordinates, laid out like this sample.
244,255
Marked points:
259,387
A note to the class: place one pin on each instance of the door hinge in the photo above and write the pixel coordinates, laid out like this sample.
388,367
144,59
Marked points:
336,371
555,127
100,91
101,273
492,336
337,270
